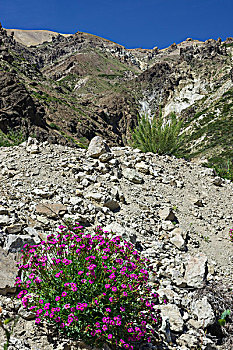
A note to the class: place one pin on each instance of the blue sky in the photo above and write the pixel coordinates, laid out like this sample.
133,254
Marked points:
132,23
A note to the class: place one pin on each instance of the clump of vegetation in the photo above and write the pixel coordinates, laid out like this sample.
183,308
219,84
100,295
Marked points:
223,166
93,287
231,234
224,317
158,134
12,138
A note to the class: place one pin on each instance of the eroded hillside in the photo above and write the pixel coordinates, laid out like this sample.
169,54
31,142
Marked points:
86,86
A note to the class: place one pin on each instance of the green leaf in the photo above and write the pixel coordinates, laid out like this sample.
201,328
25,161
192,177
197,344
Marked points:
222,322
225,314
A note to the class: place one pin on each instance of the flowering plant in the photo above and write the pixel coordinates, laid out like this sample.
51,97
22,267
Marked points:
231,234
92,286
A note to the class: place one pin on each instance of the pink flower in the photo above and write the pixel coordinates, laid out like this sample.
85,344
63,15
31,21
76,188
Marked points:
110,336
108,309
111,299
104,327
41,301
114,289
107,286
122,308
80,272
57,298
66,306
46,307
125,294
64,294
37,320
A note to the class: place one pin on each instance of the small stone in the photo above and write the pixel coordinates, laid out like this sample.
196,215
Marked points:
51,210
142,167
112,204
94,196
105,157
132,176
173,313
167,214
178,241
42,193
3,210
4,220
217,181
189,341
14,229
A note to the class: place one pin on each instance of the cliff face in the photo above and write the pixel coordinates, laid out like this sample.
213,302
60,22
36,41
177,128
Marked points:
91,86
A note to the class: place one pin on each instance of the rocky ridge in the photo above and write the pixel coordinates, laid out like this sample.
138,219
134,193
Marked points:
90,86
175,212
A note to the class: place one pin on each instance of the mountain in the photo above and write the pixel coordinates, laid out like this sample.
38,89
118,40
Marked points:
80,85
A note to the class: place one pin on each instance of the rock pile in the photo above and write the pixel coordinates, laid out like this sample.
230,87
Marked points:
175,212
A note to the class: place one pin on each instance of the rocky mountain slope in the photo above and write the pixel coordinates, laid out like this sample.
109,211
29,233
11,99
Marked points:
91,86
175,212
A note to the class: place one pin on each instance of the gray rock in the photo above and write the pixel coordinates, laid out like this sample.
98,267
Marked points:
132,176
15,243
4,220
97,147
178,241
3,210
173,313
167,214
196,271
142,167
94,196
51,210
189,341
8,273
217,181
42,193
13,229
112,204
105,157
204,312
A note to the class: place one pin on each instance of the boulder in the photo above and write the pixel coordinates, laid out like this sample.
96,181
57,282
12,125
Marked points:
97,147
196,271
204,312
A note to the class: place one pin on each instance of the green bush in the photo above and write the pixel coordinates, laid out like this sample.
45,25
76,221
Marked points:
157,134
91,286
12,138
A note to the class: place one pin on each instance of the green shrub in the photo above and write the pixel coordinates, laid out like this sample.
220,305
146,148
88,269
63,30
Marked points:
12,138
222,165
231,234
157,134
91,286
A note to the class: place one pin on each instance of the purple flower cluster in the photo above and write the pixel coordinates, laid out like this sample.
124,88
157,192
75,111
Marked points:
95,285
